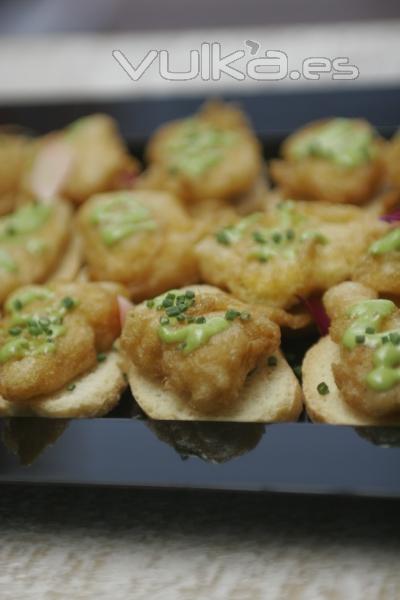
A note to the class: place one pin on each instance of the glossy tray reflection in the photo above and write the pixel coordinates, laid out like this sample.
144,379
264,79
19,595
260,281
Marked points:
302,457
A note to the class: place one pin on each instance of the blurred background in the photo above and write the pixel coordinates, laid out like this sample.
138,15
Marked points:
52,49
45,16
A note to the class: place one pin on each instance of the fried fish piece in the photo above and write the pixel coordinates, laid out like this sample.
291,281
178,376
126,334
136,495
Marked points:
334,160
15,150
200,344
50,335
367,330
392,161
143,239
211,155
85,158
33,240
289,251
379,268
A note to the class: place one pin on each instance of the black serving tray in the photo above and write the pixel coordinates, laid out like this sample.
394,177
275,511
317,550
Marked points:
127,449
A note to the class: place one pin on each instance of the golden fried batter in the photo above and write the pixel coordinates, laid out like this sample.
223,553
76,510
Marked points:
143,239
32,241
91,156
392,161
361,348
50,335
379,268
208,375
212,155
338,160
14,153
292,250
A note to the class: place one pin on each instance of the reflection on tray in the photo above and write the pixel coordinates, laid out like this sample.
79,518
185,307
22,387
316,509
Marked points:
212,442
28,437
388,437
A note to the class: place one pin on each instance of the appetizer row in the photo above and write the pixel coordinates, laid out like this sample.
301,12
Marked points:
182,279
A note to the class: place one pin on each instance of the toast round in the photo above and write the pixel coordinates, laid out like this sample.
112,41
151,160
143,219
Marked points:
270,394
70,264
330,408
95,394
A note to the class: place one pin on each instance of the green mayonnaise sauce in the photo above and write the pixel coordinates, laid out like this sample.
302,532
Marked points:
197,146
194,335
367,320
26,219
388,243
7,263
121,216
340,140
385,375
35,333
272,241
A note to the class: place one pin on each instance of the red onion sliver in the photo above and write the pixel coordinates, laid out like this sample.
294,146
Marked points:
317,310
124,306
392,217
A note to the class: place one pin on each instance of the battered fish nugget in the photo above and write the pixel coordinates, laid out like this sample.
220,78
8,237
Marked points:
292,250
213,154
392,161
34,242
338,160
14,152
86,158
55,344
142,239
197,353
353,376
380,267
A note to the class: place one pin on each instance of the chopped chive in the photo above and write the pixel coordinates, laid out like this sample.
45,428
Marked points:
71,387
272,361
222,237
200,320
322,388
101,357
173,311
258,237
277,237
360,339
68,302
370,330
385,339
181,317
394,338
290,234
189,294
191,319
17,304
14,330
150,303
231,314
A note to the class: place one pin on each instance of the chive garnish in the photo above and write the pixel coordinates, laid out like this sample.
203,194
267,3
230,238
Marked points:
322,388
231,314
101,357
68,302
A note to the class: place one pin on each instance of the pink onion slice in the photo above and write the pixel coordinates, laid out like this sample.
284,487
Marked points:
124,306
50,169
